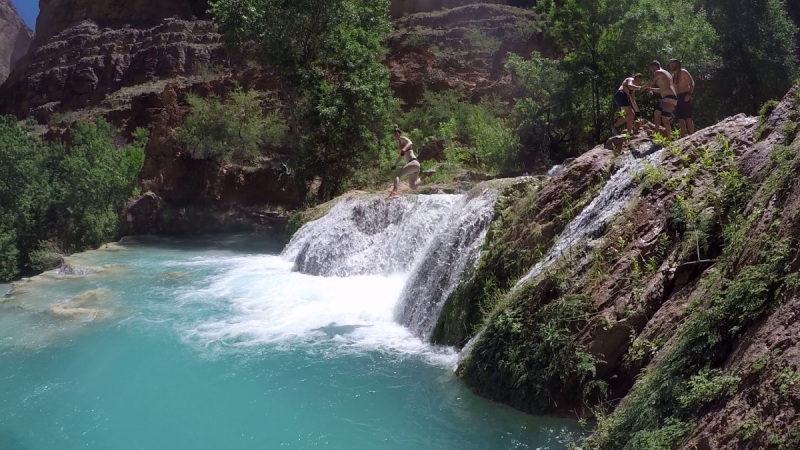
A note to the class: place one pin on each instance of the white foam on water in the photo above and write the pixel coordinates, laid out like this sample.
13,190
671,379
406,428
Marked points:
269,304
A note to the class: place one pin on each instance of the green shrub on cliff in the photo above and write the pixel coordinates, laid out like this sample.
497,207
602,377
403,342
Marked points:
473,136
326,54
67,194
231,129
528,353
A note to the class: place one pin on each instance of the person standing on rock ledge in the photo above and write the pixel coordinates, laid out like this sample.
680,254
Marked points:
625,99
669,98
411,168
684,86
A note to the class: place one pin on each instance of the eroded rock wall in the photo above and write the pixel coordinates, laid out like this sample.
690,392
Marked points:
15,38
465,47
85,50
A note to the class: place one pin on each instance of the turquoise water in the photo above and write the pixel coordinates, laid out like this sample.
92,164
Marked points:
217,344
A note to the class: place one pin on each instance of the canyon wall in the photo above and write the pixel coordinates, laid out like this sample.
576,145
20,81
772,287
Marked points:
15,38
85,50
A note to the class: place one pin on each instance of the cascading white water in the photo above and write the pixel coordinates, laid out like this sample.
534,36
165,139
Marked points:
442,266
435,239
369,235
555,170
612,199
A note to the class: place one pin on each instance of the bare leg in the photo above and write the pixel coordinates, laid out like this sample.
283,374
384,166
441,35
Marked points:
682,123
668,128
626,119
413,181
657,121
410,169
629,115
690,125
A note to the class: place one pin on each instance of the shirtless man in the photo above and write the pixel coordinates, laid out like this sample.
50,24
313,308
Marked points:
625,99
669,98
684,86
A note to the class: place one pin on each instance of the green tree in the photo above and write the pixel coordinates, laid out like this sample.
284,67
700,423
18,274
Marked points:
604,41
69,195
24,194
232,129
756,43
90,180
327,56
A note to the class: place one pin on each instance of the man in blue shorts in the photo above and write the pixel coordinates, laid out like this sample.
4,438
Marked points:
625,99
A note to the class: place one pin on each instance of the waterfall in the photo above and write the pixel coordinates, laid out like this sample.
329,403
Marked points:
612,199
369,235
555,170
439,270
435,239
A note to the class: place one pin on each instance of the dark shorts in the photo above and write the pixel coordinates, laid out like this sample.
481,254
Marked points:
621,100
684,110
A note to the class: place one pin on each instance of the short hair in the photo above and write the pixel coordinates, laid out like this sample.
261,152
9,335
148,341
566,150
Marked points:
397,130
655,63
676,61
637,75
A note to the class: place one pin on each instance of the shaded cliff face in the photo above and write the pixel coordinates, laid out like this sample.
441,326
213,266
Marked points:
85,50
56,16
15,38
460,48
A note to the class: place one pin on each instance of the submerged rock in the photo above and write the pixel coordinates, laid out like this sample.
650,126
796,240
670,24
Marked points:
90,305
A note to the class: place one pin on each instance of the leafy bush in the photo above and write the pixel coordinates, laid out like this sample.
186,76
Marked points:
326,54
766,109
475,136
67,195
483,41
232,129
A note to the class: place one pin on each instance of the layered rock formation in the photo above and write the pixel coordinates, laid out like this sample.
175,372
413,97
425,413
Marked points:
465,47
85,50
15,38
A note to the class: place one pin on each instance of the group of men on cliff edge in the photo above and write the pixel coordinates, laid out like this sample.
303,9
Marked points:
676,88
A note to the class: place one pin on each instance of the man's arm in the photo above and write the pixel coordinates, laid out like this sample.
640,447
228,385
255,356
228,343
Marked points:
691,83
651,85
629,84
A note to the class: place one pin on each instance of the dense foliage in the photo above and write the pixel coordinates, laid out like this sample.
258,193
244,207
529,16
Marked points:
58,196
326,54
229,130
757,49
740,53
565,98
470,135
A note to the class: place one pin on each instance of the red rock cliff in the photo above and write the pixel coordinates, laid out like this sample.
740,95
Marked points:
15,38
86,49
